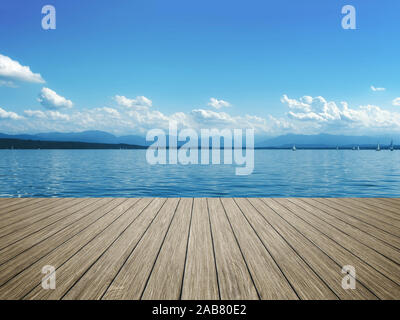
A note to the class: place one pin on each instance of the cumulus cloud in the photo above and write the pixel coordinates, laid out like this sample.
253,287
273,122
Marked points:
128,120
322,115
396,102
138,102
13,70
35,114
377,89
307,115
9,115
110,111
56,115
51,100
50,115
218,104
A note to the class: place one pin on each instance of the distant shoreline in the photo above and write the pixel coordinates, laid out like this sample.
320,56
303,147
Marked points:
70,145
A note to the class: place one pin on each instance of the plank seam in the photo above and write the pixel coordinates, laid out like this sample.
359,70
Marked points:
212,242
291,247
133,249
317,246
56,246
186,252
159,250
380,221
54,234
98,258
318,218
81,248
241,252
42,227
352,253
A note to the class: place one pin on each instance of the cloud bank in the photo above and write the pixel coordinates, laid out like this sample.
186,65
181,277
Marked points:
307,115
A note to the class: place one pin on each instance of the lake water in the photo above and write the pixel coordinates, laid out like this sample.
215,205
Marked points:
125,173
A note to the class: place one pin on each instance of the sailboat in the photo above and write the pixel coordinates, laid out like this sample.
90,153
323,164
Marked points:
358,148
391,146
378,148
294,148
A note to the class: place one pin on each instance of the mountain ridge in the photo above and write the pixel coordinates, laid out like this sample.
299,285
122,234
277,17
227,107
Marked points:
284,141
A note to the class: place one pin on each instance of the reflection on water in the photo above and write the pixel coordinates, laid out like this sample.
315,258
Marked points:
125,173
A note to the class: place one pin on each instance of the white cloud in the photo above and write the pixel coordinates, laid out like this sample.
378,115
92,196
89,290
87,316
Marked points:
140,120
110,111
56,115
50,115
396,102
200,118
51,100
377,89
11,69
9,115
35,114
138,102
307,115
217,104
322,115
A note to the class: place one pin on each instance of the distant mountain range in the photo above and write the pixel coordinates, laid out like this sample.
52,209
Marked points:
84,136
325,141
284,141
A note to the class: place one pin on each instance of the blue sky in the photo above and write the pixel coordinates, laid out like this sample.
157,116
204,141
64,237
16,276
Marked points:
247,55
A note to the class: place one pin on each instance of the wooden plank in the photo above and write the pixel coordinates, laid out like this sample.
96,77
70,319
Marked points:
326,267
379,284
7,205
132,277
270,281
377,210
55,233
367,239
393,208
20,206
360,215
25,281
234,279
34,213
304,280
200,277
17,257
95,281
165,282
56,217
223,248
70,272
368,228
393,202
46,214
379,262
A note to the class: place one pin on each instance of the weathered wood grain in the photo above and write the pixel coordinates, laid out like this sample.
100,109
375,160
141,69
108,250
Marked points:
202,248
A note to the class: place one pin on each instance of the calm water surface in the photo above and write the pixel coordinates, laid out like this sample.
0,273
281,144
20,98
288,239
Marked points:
125,173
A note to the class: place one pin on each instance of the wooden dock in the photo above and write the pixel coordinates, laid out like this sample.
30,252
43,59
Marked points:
202,248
